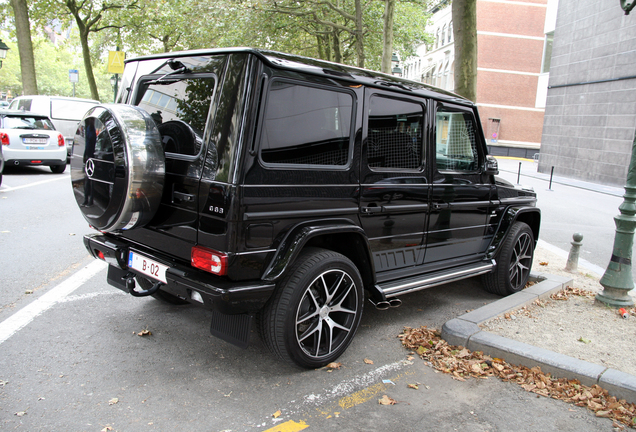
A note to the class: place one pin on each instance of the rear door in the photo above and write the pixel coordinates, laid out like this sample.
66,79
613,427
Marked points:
182,105
460,196
394,186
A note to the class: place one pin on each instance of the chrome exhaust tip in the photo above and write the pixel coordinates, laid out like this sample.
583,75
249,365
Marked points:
395,303
381,305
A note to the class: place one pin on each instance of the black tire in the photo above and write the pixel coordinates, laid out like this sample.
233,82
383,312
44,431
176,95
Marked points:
166,297
58,169
118,167
303,306
513,262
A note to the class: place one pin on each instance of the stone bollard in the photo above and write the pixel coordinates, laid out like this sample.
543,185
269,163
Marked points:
573,257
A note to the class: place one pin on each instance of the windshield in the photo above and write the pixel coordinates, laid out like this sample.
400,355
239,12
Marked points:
27,123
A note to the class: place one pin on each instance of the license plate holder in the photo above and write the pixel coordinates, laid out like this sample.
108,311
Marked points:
34,140
147,266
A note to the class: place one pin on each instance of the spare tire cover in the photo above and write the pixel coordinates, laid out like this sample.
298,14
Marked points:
117,167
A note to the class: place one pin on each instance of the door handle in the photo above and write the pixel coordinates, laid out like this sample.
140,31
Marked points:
180,196
372,209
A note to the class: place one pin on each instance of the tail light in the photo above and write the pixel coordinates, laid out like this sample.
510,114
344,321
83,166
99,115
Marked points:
209,260
60,140
4,138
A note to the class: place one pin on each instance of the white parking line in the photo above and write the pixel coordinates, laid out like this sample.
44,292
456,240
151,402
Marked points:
24,316
57,177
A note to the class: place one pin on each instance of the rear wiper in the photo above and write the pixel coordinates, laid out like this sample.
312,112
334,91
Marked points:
177,68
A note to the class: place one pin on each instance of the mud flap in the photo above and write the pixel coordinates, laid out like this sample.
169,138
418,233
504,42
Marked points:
234,329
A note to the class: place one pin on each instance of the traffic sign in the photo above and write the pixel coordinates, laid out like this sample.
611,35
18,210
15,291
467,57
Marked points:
73,75
116,61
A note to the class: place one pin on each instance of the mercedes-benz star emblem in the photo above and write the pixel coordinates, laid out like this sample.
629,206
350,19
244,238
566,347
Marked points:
90,168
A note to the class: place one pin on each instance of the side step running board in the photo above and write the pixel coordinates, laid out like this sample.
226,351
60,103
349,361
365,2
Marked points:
420,282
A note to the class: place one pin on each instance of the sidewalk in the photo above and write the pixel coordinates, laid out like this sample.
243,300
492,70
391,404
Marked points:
529,169
465,331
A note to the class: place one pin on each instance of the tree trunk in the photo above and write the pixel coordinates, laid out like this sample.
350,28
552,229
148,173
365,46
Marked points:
465,35
337,55
25,47
359,35
387,47
86,54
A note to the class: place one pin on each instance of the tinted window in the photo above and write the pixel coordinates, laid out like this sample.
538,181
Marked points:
456,148
180,108
306,125
394,133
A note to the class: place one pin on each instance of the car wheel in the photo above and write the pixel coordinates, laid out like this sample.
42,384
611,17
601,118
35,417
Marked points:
316,309
118,167
160,295
58,169
513,263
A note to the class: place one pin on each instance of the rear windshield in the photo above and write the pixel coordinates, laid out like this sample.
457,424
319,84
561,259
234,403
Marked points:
180,108
19,122
62,109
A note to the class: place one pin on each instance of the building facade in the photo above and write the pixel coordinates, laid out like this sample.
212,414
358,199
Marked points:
590,117
513,38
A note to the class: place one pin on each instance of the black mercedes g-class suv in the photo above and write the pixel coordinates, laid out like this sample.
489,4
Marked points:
260,184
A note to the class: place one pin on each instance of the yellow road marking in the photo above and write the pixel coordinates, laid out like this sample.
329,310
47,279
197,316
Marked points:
289,426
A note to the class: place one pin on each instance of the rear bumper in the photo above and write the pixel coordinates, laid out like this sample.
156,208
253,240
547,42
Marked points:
35,157
219,294
35,162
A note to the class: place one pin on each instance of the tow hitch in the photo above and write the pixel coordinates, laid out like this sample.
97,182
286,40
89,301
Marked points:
131,284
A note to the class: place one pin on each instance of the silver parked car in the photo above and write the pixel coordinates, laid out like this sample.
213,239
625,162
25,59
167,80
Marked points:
31,139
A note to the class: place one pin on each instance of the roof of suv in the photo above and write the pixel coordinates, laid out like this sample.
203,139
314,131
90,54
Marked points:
323,68
20,113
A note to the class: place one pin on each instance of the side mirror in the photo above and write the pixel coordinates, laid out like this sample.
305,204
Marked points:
490,166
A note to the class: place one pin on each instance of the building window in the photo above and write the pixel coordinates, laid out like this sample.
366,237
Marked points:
450,31
547,52
443,35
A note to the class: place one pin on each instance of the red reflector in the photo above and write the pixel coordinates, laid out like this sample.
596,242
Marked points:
4,138
209,260
100,255
60,140
36,161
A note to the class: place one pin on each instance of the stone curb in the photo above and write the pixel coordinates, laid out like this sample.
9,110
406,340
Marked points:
465,331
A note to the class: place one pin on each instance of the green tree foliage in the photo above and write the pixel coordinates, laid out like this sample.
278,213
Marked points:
52,66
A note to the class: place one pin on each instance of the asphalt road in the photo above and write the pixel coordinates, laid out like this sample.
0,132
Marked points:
71,358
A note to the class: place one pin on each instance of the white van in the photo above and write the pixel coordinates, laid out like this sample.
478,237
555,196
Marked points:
64,112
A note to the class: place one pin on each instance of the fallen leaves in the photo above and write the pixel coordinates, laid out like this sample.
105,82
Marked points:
461,364
570,292
144,332
544,263
585,341
333,365
386,400
367,361
113,401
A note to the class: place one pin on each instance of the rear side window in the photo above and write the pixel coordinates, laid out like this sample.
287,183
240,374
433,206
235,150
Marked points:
455,144
394,133
305,125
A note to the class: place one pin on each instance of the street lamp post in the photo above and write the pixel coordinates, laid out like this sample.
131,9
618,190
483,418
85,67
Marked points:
617,280
3,51
395,63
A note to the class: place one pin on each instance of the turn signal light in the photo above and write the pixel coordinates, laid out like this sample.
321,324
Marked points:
60,140
209,260
4,138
